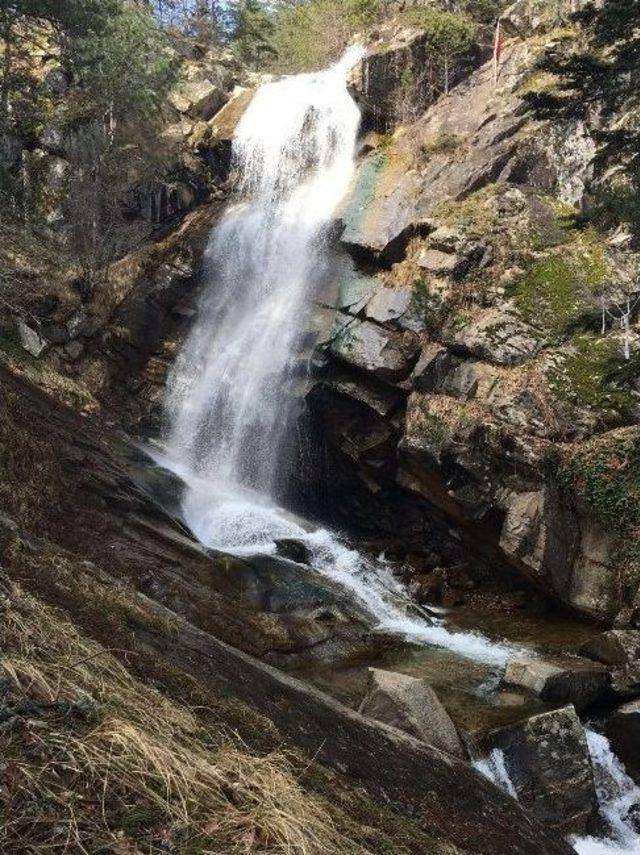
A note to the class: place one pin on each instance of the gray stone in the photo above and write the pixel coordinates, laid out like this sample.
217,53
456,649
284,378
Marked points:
388,355
548,763
439,263
462,382
30,339
559,680
410,705
499,337
623,732
615,647
197,98
432,367
354,293
389,304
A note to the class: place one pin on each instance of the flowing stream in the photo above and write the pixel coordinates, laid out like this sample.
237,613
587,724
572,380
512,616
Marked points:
230,394
618,798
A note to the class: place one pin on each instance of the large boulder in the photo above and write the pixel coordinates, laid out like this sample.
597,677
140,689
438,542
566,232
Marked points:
616,647
559,680
547,761
200,93
411,705
623,732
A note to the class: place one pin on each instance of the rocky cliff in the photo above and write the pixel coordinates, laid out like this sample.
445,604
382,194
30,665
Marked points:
468,365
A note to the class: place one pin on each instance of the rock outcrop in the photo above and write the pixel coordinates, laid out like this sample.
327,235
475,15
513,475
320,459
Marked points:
474,313
623,732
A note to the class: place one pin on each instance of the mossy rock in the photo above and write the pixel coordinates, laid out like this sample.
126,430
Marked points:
559,291
590,377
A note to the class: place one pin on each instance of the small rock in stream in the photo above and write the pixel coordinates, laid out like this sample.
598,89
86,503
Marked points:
560,680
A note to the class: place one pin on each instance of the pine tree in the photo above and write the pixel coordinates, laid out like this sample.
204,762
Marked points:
601,79
252,34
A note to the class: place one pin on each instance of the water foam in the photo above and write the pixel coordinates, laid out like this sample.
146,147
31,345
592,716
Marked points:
617,796
229,398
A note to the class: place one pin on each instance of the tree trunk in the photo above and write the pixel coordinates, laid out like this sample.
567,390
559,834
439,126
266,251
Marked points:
5,87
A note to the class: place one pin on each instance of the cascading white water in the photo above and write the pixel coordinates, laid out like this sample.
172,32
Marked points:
230,391
618,796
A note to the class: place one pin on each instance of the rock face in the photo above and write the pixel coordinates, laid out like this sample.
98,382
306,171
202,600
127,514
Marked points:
620,650
617,647
460,230
623,732
410,705
568,680
547,760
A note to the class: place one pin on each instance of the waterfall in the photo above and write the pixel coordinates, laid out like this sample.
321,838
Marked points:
618,801
618,798
230,392
229,397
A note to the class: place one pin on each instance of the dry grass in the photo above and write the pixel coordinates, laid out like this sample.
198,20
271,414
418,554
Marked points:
95,761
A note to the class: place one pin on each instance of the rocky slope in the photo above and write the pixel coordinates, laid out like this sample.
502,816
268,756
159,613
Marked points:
467,365
465,411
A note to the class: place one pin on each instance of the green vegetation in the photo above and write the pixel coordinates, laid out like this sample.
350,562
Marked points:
310,35
90,78
598,77
559,290
605,473
587,378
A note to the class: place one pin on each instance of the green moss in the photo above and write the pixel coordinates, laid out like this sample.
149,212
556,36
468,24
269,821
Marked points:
588,378
605,473
551,295
558,291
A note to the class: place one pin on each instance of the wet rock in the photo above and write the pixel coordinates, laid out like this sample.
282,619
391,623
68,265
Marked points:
622,729
615,647
294,550
559,680
385,354
548,763
410,705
